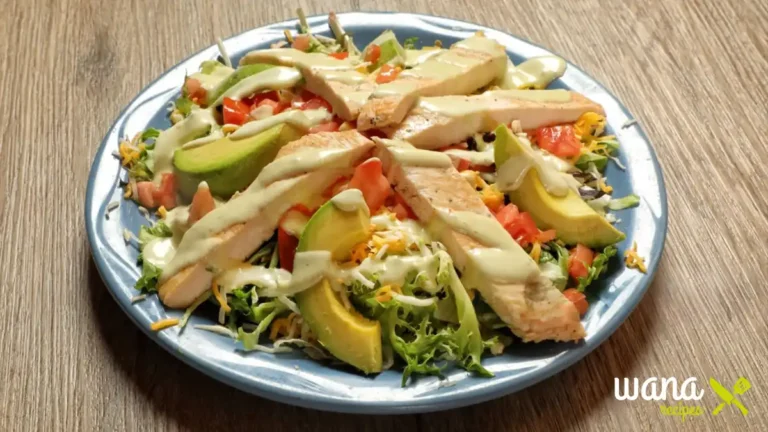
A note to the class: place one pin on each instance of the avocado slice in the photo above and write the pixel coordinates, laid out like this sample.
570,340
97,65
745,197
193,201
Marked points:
391,50
229,165
573,219
235,77
349,336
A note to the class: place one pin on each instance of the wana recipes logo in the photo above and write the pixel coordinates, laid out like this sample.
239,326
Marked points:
668,389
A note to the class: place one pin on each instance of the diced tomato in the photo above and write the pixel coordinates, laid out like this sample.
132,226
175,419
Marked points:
331,126
482,168
579,260
286,249
146,191
301,208
316,103
202,204
578,299
373,53
339,55
301,43
387,74
235,111
370,180
519,225
546,236
255,99
195,91
165,195
463,165
401,209
559,140
337,186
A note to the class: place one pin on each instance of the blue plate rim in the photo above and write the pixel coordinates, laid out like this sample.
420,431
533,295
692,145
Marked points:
436,402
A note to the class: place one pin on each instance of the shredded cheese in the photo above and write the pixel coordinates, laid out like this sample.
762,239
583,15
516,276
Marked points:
162,212
384,294
633,260
127,193
492,197
589,126
604,187
536,251
164,324
220,298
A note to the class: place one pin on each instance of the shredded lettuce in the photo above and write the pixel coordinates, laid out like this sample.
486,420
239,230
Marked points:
598,267
624,202
263,315
150,133
149,233
410,43
184,105
585,159
150,273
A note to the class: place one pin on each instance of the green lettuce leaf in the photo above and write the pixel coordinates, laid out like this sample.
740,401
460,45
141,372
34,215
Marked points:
410,43
624,202
150,273
149,233
598,267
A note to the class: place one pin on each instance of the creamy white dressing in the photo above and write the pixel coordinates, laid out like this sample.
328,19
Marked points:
415,57
480,43
270,282
176,220
480,158
556,95
536,73
294,57
393,269
309,268
275,78
212,80
350,200
460,106
511,174
406,154
268,203
303,161
502,260
198,123
302,120
350,77
214,136
159,251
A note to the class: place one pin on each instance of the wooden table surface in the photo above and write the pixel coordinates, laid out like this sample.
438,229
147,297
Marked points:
693,72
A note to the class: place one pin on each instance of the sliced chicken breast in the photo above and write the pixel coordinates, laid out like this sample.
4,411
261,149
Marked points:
490,261
466,67
229,234
441,121
335,80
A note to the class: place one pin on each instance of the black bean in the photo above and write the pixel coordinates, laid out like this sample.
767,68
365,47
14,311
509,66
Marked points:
471,143
489,137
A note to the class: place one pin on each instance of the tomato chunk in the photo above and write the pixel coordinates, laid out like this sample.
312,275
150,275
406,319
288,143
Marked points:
331,126
401,209
370,180
559,140
146,191
202,204
520,225
316,103
387,74
579,261
195,91
339,55
578,299
301,43
286,248
165,195
373,53
235,112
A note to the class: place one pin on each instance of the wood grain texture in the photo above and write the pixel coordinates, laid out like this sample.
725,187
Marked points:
693,72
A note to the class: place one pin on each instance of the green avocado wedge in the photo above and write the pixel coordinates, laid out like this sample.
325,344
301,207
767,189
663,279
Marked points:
573,219
348,335
229,165
391,50
235,77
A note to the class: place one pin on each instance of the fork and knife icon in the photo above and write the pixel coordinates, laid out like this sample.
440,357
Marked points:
741,387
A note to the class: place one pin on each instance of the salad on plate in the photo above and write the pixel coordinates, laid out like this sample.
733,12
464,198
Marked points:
401,206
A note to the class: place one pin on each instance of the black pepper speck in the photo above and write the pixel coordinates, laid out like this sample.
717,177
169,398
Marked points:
489,137
471,143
